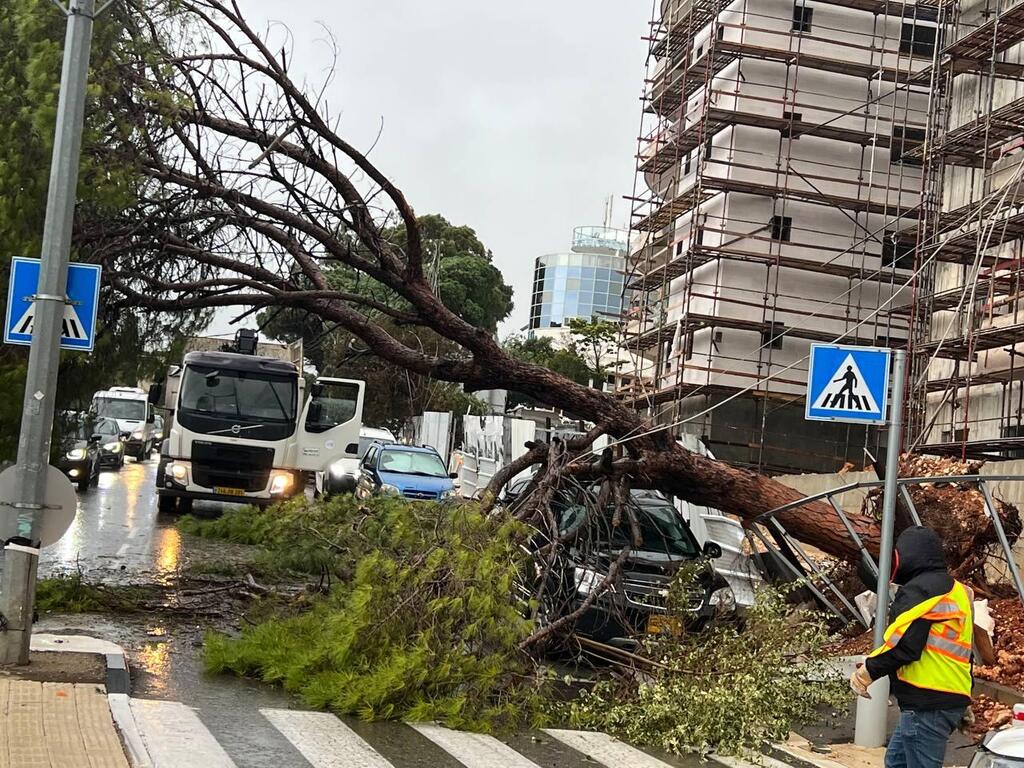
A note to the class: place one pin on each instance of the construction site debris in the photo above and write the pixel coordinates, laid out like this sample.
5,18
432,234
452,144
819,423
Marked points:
1008,644
989,715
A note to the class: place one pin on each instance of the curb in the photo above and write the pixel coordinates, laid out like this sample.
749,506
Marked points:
997,692
118,675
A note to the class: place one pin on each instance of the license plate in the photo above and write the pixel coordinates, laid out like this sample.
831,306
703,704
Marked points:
658,624
230,491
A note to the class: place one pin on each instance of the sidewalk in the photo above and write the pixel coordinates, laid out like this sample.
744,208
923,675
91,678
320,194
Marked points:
57,725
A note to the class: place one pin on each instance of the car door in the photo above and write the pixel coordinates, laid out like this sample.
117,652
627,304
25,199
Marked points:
330,423
366,484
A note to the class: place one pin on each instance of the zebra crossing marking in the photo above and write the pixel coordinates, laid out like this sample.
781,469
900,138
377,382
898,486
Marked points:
605,749
324,740
175,737
474,750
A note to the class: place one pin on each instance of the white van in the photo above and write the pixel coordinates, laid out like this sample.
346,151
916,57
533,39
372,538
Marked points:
130,408
341,475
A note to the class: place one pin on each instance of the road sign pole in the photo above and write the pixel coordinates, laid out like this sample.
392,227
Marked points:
872,713
17,592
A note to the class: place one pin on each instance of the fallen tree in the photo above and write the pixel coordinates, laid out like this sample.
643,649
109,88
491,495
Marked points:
255,200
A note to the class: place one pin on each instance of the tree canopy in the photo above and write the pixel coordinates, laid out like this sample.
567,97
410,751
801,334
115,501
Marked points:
30,67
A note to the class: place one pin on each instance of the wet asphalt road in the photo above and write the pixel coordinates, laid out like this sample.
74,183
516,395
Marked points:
117,532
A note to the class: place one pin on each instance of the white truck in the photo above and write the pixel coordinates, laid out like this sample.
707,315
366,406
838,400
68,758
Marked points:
130,408
237,429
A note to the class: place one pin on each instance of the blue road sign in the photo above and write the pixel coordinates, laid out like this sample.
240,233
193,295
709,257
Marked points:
83,292
848,384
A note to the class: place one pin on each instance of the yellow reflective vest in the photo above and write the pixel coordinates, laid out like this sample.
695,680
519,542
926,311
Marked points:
945,663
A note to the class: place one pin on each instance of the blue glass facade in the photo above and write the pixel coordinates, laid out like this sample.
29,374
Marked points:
586,281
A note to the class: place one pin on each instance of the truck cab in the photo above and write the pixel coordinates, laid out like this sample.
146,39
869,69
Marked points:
131,409
239,432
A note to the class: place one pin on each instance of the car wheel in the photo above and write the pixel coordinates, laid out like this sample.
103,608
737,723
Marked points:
166,504
83,484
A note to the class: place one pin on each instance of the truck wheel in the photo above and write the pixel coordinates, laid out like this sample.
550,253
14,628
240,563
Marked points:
167,504
185,506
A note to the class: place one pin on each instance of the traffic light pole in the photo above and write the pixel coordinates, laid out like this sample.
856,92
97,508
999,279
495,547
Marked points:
21,560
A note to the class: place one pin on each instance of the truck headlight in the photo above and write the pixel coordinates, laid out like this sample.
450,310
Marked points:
77,454
723,600
280,482
138,434
178,471
586,580
390,490
114,447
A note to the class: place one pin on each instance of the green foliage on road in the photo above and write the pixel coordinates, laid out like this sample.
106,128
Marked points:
420,623
71,593
725,689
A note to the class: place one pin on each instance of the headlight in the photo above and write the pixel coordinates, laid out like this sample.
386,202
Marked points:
178,471
586,580
280,482
77,454
723,600
449,494
112,447
138,434
390,490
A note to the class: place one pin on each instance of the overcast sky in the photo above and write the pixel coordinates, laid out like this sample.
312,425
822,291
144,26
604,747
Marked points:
517,118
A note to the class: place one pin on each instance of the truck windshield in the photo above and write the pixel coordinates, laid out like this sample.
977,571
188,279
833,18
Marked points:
238,396
116,408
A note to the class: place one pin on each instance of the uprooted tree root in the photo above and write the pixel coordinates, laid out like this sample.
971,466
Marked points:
957,511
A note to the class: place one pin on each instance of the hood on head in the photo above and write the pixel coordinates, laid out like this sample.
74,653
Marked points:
918,550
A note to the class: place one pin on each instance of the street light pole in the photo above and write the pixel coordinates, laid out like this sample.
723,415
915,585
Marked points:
17,589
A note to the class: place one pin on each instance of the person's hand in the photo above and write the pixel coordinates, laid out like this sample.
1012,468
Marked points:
860,680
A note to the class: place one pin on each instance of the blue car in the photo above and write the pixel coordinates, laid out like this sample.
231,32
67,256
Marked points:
414,472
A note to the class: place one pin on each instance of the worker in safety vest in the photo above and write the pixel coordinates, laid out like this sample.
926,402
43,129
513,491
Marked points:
926,654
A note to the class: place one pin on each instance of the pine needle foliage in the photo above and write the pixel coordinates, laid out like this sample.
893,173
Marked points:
722,690
422,622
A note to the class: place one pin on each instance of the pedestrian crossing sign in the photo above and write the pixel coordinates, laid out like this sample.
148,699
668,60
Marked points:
78,329
848,384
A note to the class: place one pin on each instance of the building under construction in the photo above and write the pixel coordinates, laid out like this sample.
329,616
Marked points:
798,181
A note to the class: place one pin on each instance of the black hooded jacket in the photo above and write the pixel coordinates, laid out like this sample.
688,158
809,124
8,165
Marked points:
922,574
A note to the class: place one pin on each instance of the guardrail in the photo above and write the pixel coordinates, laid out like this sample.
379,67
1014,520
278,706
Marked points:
788,550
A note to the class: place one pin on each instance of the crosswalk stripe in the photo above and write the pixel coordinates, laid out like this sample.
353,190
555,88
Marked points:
175,737
474,750
324,740
606,750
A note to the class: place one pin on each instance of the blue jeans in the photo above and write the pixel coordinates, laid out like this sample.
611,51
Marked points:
920,739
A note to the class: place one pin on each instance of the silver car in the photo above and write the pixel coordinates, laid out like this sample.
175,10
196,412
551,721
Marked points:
341,475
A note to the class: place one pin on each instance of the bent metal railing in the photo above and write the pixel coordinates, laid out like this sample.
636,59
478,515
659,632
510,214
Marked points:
793,556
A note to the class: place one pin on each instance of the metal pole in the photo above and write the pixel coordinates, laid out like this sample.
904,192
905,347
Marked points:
1003,541
871,713
17,592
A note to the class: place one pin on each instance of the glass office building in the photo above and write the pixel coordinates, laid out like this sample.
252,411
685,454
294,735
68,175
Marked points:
584,281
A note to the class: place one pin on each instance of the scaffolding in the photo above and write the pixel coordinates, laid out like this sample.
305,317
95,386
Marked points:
778,197
967,396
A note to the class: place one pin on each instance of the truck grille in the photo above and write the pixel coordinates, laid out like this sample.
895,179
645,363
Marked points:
221,465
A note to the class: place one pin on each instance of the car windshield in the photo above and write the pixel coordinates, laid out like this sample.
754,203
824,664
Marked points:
105,427
239,395
661,529
412,463
116,408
